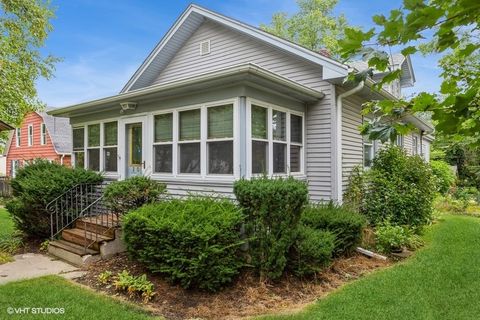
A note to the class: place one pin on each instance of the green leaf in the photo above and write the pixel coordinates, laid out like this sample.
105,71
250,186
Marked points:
409,50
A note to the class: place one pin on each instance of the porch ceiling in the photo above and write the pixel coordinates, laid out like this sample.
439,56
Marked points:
248,74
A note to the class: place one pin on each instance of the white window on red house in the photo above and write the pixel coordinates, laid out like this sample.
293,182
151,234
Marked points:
43,134
18,135
30,135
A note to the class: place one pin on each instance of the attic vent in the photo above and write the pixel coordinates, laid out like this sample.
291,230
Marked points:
204,47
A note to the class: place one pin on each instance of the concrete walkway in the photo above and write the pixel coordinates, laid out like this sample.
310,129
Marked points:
33,265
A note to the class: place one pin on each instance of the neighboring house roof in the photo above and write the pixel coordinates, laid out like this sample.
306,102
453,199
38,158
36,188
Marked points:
59,131
188,23
397,61
5,126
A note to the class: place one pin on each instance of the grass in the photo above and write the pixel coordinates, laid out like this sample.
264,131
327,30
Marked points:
56,292
6,223
440,282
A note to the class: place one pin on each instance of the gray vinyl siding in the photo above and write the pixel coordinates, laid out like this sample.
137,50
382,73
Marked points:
352,140
229,48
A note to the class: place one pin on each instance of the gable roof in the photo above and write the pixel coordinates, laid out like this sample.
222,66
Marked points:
60,132
397,61
188,23
5,126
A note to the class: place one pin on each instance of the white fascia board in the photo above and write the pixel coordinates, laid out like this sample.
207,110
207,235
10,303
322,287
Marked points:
230,71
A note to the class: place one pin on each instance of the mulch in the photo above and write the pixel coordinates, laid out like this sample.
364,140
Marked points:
247,296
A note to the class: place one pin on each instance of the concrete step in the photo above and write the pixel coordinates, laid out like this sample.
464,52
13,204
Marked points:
79,236
72,253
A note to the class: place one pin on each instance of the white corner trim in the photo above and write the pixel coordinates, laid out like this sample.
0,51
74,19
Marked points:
338,154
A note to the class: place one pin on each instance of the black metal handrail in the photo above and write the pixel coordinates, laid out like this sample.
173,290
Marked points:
69,206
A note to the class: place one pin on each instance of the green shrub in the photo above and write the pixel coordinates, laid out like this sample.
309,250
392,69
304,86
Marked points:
311,252
444,176
132,193
400,189
11,243
135,285
347,226
354,195
34,186
391,238
466,195
193,242
273,208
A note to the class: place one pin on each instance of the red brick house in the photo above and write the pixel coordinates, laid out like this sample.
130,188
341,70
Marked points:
39,136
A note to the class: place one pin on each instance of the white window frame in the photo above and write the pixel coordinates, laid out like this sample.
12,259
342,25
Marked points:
15,166
399,141
18,137
203,175
74,156
414,145
270,107
30,135
99,147
372,153
43,134
103,146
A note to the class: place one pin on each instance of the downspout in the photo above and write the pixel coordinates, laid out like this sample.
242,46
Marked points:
338,154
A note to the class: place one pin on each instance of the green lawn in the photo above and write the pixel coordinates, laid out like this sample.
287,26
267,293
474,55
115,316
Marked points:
56,292
442,281
6,223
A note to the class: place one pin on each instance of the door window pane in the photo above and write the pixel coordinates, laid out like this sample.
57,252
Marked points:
220,122
296,129
79,159
78,138
189,157
110,132
279,125
367,155
94,135
190,125
279,158
164,127
259,157
163,158
220,157
259,122
94,159
110,159
135,145
295,158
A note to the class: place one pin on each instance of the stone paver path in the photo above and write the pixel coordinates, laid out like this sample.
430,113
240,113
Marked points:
32,265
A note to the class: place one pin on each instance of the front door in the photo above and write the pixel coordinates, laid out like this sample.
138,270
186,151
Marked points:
135,162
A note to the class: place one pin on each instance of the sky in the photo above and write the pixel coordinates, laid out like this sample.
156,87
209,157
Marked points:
102,42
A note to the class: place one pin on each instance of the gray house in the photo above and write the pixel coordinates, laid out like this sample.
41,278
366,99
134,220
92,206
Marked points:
218,100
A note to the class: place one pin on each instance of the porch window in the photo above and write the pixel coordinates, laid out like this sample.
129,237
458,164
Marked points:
277,141
18,135
30,135
78,147
399,141
43,134
93,147
220,139
110,151
414,145
189,141
163,143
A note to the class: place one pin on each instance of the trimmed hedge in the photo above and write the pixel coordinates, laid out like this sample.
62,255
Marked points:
34,186
346,225
273,208
311,252
132,193
193,242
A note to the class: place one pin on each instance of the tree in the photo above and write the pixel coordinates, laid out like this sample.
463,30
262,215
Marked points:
24,27
435,26
313,26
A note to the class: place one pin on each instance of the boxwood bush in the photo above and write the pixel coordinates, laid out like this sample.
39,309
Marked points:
399,189
193,242
34,186
273,208
346,225
132,193
311,251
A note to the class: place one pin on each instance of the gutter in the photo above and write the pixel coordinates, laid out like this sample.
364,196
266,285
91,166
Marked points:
215,75
338,151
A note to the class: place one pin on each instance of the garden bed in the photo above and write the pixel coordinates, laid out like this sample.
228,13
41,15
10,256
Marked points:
245,297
